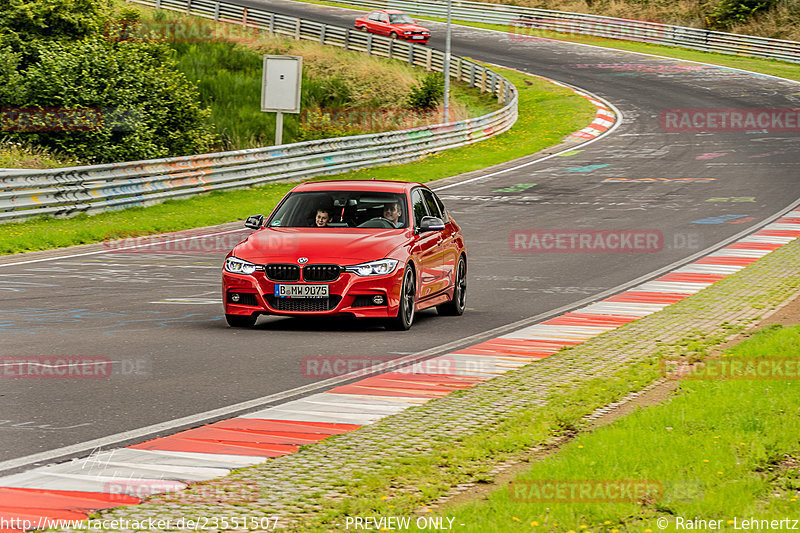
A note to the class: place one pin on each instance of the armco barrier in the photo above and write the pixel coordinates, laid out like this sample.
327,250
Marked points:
91,189
525,22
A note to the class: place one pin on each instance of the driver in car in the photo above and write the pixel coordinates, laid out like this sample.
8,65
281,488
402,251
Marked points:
391,212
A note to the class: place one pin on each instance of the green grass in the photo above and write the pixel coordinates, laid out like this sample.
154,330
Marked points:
718,450
547,114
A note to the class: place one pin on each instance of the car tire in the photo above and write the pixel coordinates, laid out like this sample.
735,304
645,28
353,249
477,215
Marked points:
362,28
456,306
241,321
408,301
393,35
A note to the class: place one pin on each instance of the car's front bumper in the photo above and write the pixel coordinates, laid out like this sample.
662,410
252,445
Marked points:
349,294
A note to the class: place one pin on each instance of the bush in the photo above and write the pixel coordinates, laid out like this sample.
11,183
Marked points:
728,13
142,106
426,95
55,60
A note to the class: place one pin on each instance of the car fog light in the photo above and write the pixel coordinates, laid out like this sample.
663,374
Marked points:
377,300
235,297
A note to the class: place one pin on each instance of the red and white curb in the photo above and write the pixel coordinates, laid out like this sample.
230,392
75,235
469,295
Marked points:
122,476
603,120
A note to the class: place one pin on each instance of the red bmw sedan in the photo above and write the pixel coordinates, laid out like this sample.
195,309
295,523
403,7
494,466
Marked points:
369,249
394,24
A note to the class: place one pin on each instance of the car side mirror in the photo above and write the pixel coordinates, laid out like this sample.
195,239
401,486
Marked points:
254,222
431,224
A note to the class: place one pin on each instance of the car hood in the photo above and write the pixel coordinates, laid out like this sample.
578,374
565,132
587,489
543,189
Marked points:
410,27
320,245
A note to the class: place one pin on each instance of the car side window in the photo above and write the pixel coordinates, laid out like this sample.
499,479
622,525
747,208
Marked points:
418,204
433,207
445,216
375,16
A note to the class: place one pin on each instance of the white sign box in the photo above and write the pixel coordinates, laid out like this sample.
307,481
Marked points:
280,87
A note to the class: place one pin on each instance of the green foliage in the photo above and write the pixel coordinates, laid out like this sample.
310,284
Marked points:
318,124
142,106
132,101
426,95
728,13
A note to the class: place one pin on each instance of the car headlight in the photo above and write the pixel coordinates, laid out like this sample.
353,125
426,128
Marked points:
374,268
407,33
234,265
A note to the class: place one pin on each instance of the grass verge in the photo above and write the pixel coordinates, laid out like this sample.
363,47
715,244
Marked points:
547,114
718,450
721,451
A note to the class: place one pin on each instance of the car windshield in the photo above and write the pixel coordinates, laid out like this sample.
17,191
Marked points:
401,18
341,209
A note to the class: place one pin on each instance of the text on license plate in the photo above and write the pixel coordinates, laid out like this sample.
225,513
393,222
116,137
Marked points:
416,36
301,291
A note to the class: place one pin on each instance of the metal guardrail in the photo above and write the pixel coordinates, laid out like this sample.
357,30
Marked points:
95,188
525,22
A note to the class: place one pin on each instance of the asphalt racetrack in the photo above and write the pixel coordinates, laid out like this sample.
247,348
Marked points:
155,315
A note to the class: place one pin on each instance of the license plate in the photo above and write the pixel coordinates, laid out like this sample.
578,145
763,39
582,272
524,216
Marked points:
301,291
416,36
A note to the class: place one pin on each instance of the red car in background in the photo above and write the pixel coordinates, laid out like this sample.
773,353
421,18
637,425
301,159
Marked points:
394,24
368,249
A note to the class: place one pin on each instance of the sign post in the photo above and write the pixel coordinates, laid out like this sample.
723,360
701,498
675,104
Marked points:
280,88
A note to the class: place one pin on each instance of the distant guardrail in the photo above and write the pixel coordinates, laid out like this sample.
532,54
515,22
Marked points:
96,188
526,21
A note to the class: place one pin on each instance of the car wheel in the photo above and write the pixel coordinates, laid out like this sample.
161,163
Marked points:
363,28
241,321
393,35
408,302
456,306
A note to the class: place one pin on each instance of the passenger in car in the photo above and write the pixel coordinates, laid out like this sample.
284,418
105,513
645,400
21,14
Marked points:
323,217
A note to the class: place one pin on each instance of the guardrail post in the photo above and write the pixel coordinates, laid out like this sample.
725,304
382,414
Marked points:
391,47
429,60
158,4
483,80
472,74
216,12
244,16
322,34
459,66
411,53
188,6
347,39
369,44
271,26
297,30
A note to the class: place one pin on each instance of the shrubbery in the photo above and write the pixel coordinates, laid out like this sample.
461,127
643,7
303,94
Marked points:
426,95
728,13
54,56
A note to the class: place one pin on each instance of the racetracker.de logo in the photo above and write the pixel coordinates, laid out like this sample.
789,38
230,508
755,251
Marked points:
738,368
584,490
328,366
188,243
55,367
36,119
730,120
178,31
586,241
